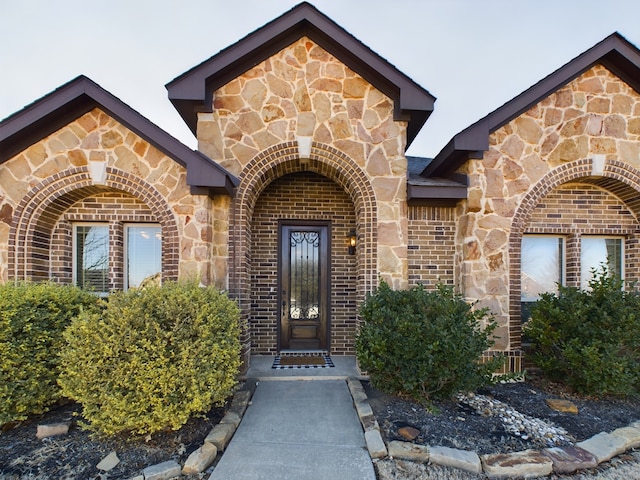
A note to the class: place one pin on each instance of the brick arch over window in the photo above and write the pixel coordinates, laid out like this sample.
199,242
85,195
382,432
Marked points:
283,159
617,178
37,214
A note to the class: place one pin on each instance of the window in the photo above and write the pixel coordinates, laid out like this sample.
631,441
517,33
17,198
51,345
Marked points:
144,254
596,251
542,268
142,260
91,257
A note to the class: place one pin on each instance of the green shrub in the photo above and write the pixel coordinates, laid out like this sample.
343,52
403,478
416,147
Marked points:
426,345
153,359
32,319
589,340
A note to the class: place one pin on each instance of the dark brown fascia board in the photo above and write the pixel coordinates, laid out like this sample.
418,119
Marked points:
615,53
417,193
81,95
191,92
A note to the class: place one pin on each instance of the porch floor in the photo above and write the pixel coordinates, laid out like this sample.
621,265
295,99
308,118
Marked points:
344,367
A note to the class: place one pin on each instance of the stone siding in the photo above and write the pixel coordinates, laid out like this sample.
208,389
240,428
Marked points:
57,173
304,92
587,132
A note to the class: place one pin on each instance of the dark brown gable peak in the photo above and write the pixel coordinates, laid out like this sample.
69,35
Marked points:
191,92
614,53
81,95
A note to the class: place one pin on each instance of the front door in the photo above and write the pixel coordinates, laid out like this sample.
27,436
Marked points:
304,288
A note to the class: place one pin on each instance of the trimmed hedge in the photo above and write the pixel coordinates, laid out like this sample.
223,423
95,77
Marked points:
153,359
33,317
424,344
589,339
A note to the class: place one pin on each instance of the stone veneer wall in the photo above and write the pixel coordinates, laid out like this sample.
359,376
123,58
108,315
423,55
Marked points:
586,132
40,184
303,91
302,196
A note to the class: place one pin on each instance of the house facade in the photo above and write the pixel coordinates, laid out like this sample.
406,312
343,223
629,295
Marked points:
300,196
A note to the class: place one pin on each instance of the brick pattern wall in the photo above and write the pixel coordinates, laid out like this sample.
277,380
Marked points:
282,160
574,210
113,208
302,196
431,245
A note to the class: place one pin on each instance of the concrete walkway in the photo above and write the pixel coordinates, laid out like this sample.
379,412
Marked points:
300,430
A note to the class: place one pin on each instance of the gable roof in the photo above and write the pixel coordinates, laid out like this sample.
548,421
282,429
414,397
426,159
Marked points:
81,95
191,92
615,53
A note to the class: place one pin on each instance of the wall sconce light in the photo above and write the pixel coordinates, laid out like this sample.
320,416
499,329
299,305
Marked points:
352,239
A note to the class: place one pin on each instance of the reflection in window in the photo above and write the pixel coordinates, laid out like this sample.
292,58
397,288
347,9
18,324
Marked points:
144,255
92,257
596,252
542,265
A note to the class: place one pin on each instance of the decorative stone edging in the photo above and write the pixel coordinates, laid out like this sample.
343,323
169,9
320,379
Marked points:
217,440
526,464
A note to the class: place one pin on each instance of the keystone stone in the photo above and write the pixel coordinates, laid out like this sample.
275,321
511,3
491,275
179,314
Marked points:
240,401
375,444
526,464
162,471
570,459
200,459
604,446
220,435
409,451
451,457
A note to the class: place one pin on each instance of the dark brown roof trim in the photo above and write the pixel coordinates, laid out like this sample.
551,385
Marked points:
81,95
614,52
439,189
191,92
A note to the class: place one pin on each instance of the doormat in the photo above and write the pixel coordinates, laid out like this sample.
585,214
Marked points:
302,360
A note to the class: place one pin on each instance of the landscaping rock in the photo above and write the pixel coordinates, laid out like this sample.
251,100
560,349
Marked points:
564,406
109,462
240,402
526,464
408,432
604,446
52,430
200,459
220,435
162,471
630,435
569,459
233,418
375,444
451,457
408,451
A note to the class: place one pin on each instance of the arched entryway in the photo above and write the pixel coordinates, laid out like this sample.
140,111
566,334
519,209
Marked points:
278,189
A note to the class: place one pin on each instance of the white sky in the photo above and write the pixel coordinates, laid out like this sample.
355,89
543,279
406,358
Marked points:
473,55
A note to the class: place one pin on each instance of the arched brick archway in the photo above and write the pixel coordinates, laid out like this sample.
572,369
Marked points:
617,178
35,218
281,160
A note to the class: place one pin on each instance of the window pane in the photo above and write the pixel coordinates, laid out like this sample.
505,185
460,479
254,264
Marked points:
596,251
542,266
92,257
144,254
